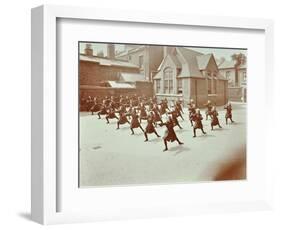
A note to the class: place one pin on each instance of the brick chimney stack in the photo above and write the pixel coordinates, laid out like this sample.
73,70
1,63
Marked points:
88,50
111,51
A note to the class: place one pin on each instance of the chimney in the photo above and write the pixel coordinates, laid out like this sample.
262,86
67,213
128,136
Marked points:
110,51
88,50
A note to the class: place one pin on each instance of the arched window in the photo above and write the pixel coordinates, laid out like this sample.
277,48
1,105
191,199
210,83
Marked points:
179,85
168,80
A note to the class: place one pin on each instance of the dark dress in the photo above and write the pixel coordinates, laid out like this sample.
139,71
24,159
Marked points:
111,114
135,121
150,127
197,118
122,109
143,113
170,134
103,110
123,119
95,108
215,120
174,117
157,116
191,110
228,111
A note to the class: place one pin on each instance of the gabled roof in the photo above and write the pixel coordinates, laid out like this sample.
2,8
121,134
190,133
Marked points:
188,53
227,64
107,62
174,59
203,61
189,61
190,66
131,77
186,60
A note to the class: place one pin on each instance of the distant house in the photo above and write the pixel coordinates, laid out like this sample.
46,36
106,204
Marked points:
237,83
227,69
146,57
188,74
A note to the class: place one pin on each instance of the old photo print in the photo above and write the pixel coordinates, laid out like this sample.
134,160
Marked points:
157,114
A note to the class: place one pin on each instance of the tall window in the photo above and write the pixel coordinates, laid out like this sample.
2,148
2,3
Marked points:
227,75
157,82
168,80
244,76
209,86
179,81
215,86
140,61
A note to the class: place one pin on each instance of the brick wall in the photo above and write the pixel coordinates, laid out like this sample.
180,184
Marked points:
91,73
198,91
235,93
144,88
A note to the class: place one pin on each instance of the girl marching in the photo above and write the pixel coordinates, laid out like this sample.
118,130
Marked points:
143,113
174,114
122,119
103,110
214,116
170,134
209,109
135,122
150,128
197,118
111,115
228,114
192,110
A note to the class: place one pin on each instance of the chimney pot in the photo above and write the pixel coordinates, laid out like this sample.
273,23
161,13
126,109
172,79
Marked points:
111,51
88,50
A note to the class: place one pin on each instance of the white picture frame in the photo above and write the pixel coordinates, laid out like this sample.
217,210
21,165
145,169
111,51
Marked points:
45,180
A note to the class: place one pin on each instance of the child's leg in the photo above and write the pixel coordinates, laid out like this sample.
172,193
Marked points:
156,133
145,134
166,146
194,132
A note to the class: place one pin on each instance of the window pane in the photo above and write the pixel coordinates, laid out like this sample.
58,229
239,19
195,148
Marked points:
215,86
179,83
168,80
140,61
157,86
209,86
171,86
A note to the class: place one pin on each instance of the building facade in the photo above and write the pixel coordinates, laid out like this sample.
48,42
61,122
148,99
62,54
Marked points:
187,74
146,57
109,76
237,82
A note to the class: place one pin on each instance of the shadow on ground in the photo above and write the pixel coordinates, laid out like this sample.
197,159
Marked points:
25,215
178,149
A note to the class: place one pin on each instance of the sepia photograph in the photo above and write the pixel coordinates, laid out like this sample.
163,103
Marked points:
159,114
